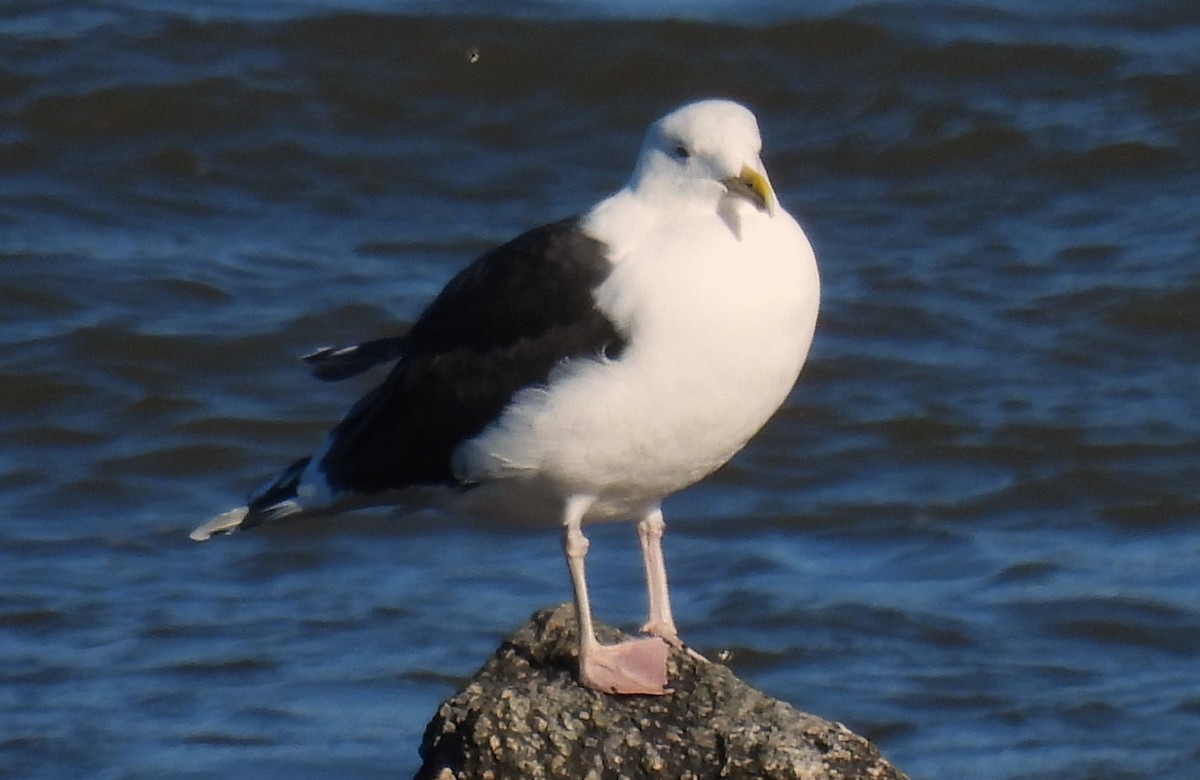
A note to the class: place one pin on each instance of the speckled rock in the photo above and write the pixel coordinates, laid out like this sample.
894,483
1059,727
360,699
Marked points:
524,716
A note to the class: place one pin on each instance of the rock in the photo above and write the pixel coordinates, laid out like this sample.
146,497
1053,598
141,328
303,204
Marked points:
524,716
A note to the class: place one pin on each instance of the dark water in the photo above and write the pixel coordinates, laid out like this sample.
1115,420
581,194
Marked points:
971,535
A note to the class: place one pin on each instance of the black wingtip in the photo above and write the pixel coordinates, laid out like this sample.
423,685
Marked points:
331,364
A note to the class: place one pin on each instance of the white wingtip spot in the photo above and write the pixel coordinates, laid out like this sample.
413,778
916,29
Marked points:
221,524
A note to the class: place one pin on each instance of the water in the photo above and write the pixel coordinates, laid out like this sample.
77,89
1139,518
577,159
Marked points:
971,535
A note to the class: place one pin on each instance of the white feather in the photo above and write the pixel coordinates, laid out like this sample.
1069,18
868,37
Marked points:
222,523
719,312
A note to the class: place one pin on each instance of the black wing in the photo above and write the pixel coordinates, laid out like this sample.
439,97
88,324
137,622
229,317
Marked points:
502,324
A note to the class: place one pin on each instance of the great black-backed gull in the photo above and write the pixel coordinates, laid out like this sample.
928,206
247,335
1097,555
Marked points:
586,369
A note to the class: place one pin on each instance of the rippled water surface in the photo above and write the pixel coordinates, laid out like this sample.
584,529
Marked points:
971,534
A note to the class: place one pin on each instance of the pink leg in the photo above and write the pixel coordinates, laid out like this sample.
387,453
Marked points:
632,666
660,623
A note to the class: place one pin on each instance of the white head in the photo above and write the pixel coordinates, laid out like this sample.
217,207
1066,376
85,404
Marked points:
706,153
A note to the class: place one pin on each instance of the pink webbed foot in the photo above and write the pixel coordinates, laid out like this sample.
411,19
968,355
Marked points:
630,667
664,631
667,633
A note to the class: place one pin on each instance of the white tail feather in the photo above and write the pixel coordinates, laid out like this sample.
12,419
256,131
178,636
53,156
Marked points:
221,524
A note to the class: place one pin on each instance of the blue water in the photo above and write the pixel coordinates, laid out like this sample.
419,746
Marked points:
971,534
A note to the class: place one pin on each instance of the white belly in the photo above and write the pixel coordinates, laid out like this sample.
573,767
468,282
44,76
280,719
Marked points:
715,345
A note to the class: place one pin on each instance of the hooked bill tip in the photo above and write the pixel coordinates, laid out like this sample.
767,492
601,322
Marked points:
753,186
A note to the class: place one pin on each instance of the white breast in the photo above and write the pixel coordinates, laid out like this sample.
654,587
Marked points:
716,339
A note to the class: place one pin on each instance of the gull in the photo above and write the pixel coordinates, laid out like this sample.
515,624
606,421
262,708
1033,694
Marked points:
585,370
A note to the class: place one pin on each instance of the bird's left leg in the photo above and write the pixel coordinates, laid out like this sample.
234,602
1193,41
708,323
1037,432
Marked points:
650,533
660,622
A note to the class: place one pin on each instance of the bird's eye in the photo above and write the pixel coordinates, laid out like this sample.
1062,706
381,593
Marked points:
681,152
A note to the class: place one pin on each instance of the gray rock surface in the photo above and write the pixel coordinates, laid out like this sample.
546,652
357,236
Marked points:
524,716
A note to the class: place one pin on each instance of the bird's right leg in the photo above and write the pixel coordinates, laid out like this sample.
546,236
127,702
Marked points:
632,666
